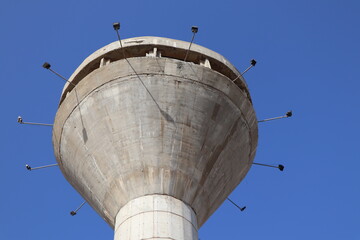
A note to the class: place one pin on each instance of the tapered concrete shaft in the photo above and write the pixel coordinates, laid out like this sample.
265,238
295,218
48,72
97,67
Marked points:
156,217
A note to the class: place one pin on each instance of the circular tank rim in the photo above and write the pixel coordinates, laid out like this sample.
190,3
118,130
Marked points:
155,41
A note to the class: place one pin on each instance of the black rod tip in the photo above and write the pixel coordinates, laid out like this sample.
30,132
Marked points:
116,26
194,29
19,119
243,208
28,167
281,167
253,62
289,114
72,213
46,65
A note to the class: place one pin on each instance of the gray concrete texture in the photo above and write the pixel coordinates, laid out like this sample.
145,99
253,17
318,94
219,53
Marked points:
156,217
175,128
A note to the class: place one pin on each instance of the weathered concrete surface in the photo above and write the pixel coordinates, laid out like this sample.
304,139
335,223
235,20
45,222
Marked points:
189,133
141,46
156,217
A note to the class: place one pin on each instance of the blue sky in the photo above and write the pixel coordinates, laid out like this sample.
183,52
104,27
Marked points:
308,61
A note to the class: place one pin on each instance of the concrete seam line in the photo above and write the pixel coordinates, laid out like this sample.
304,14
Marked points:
160,211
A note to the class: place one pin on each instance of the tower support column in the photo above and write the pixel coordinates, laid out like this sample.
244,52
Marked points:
156,217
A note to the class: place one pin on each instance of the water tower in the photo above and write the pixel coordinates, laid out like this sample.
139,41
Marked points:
155,136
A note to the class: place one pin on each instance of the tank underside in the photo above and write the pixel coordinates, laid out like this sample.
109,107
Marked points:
172,128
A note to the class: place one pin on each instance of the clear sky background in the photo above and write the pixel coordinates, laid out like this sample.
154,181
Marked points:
308,61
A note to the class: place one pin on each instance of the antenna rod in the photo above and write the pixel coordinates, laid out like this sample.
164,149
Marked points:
287,115
241,208
35,168
280,167
252,64
116,27
20,120
73,213
47,65
194,29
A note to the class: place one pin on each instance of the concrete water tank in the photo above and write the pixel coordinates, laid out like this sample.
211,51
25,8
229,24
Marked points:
154,143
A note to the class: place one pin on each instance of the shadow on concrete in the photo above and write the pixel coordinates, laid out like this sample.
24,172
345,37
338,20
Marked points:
163,113
84,134
166,116
159,65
